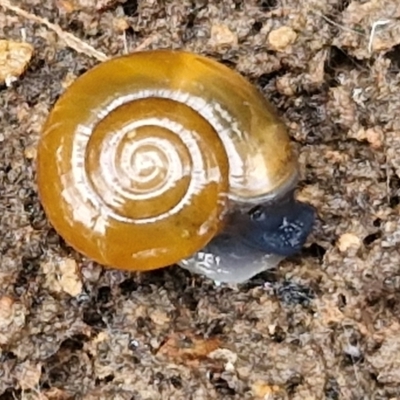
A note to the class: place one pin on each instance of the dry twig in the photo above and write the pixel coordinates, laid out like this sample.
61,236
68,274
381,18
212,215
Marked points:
69,39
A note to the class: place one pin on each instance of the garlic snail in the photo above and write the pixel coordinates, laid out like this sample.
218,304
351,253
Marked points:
167,157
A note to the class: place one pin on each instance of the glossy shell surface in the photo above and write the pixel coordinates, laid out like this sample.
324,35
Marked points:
142,157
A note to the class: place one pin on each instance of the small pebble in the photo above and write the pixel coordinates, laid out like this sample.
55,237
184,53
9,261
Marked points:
14,59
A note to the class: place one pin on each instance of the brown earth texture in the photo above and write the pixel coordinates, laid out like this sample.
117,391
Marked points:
324,324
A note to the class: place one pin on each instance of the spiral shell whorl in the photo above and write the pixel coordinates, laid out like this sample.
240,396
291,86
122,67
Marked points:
140,155
154,162
154,168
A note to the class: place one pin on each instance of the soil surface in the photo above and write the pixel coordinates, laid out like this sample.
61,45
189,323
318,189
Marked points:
324,324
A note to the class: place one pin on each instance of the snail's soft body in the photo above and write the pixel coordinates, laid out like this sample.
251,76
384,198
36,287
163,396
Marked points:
157,158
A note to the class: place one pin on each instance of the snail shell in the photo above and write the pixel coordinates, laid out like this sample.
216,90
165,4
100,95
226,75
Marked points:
149,158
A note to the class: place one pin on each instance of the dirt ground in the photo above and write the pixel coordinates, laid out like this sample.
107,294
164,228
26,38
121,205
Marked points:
324,325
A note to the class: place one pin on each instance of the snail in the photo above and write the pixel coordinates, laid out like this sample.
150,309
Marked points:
166,157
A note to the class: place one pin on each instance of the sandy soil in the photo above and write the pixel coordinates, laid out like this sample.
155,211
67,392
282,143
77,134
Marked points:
324,325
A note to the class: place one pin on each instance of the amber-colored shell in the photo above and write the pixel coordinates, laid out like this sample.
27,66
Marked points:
143,155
